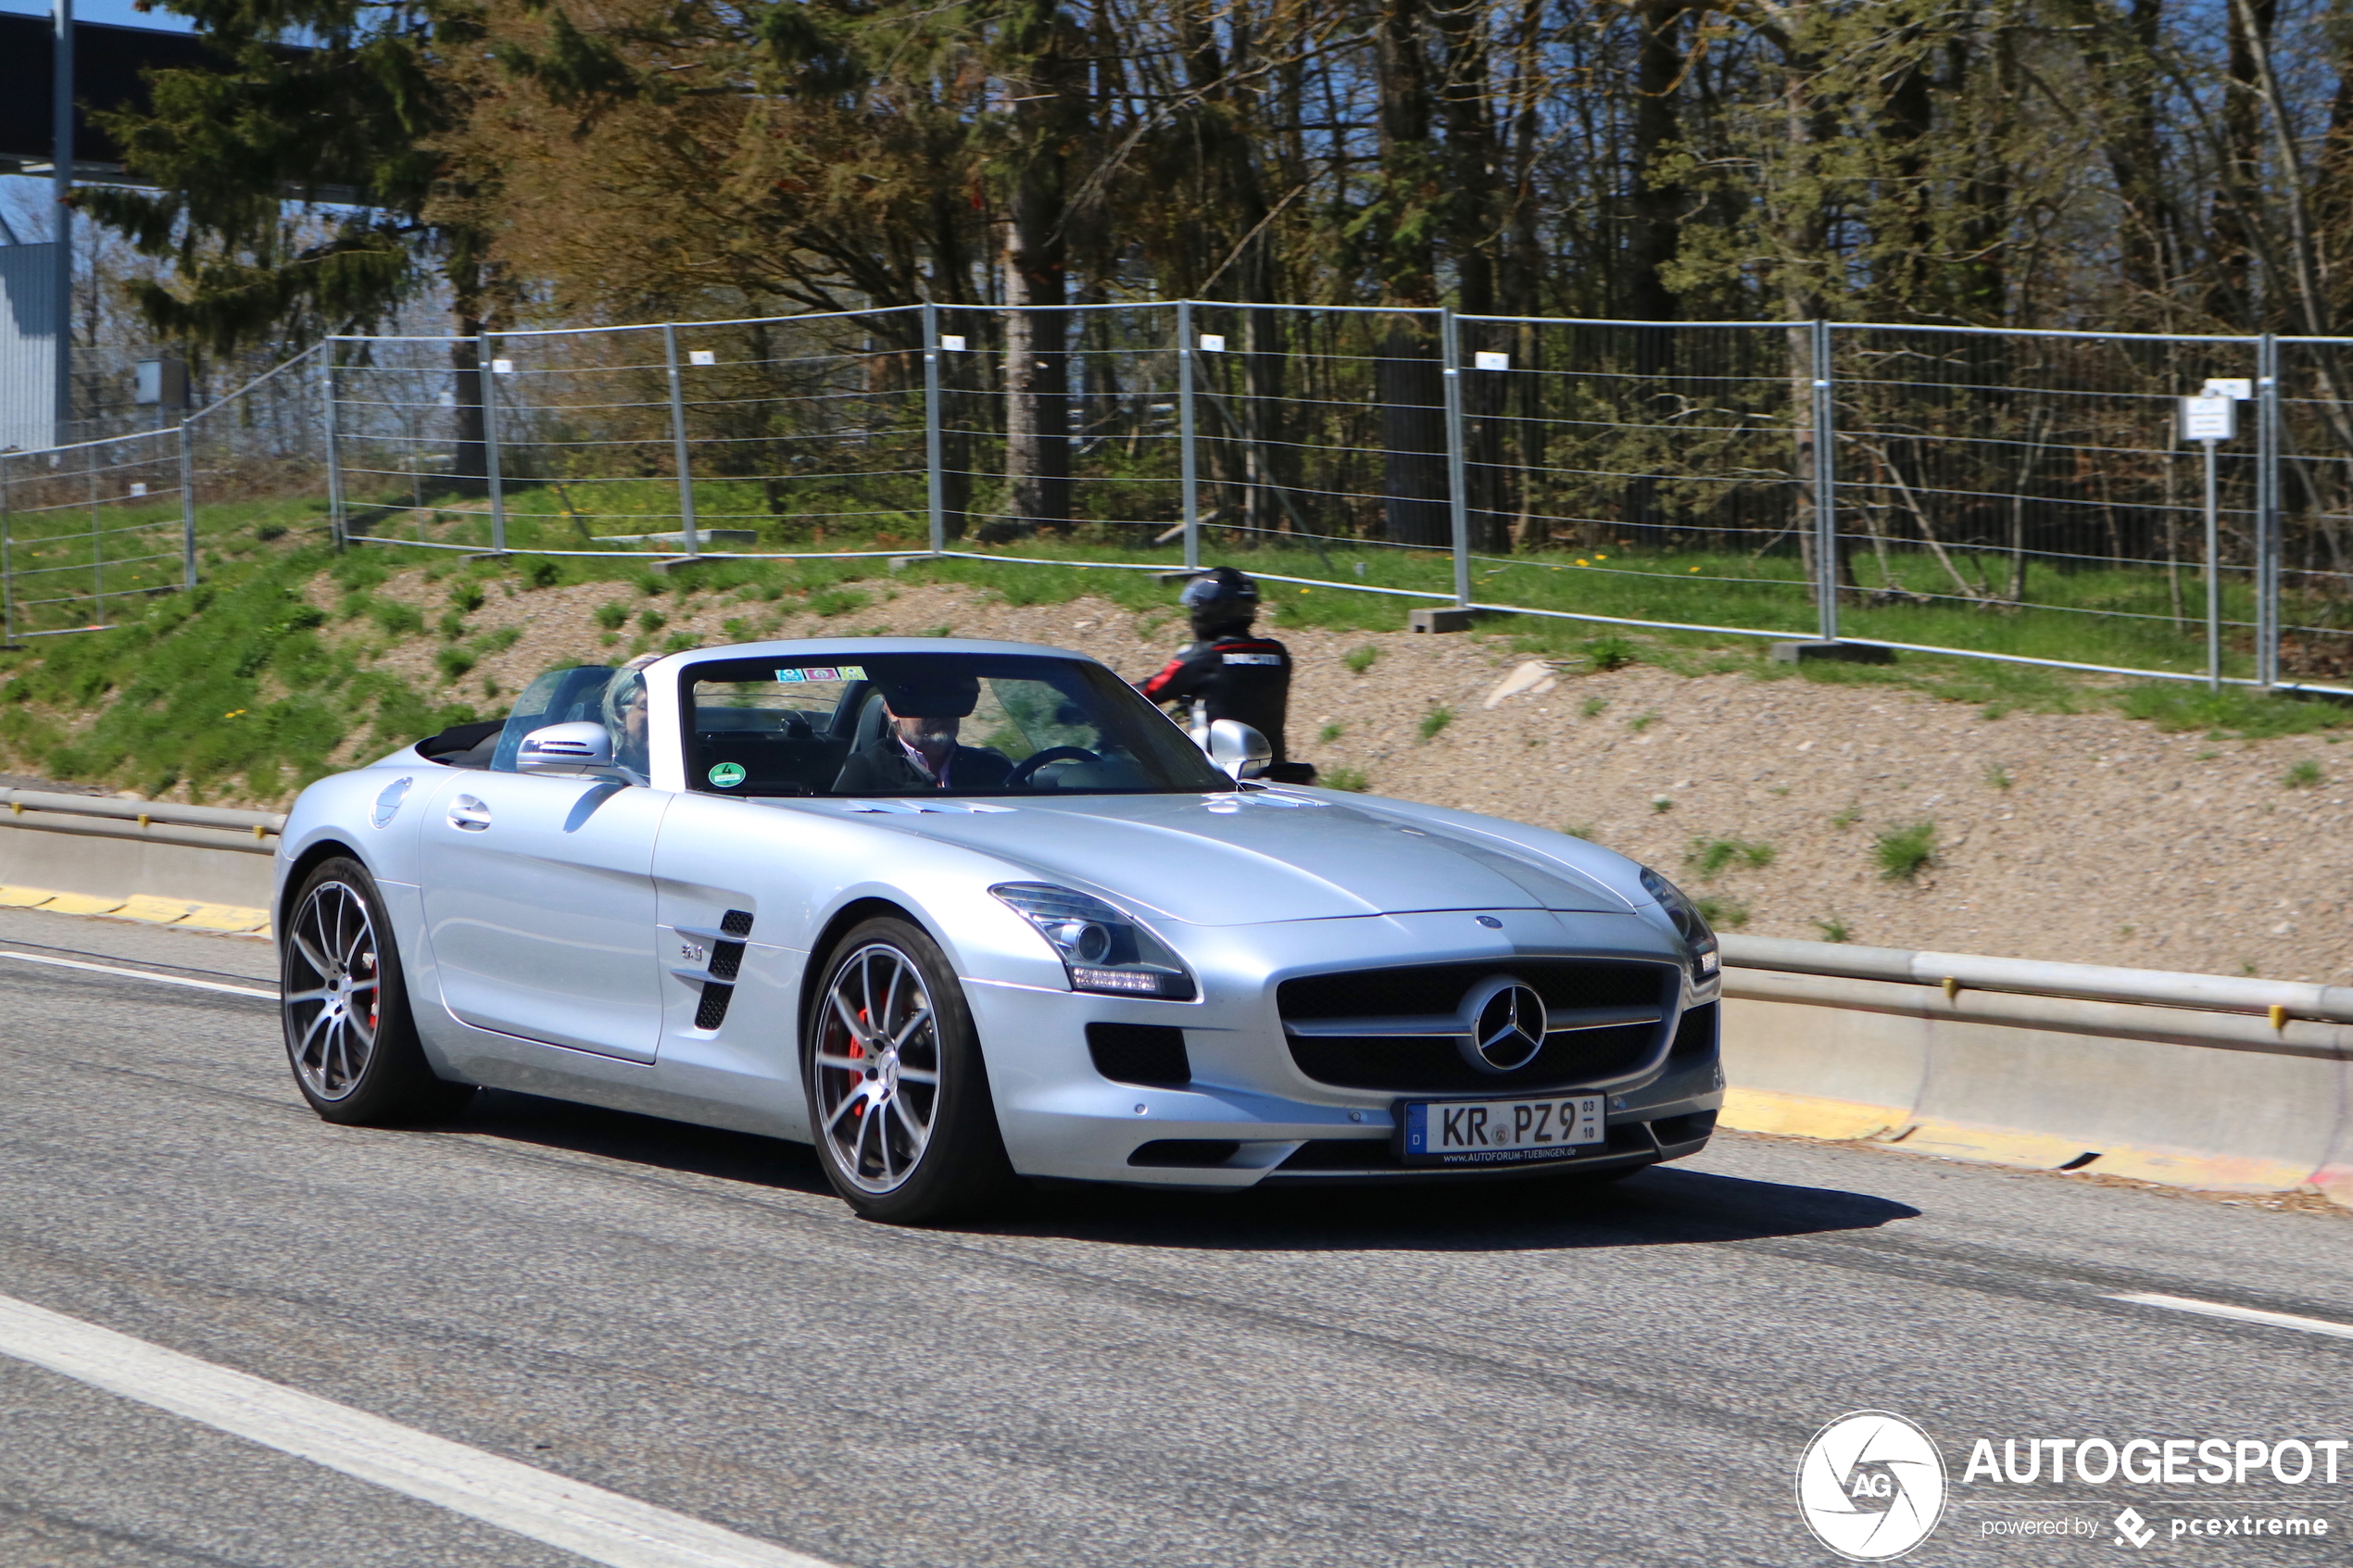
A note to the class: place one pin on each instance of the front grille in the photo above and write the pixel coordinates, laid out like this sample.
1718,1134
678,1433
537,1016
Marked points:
1409,1064
1365,1154
1196,1153
1692,1127
1432,989
1405,1064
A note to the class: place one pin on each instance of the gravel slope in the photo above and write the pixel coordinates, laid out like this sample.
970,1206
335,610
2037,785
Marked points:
2112,842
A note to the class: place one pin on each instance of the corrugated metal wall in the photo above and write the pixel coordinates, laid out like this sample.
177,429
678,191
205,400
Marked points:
28,346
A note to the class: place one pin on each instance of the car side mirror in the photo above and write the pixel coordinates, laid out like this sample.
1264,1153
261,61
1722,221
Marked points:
1237,749
575,749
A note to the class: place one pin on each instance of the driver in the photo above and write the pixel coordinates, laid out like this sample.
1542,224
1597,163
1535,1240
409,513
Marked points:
917,749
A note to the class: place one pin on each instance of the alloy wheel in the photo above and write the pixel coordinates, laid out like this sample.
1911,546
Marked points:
878,1068
332,989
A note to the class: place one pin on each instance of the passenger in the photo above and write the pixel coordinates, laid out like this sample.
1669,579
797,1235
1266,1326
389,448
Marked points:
1233,672
626,719
918,749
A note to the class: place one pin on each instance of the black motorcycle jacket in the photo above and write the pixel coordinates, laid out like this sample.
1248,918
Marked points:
1240,676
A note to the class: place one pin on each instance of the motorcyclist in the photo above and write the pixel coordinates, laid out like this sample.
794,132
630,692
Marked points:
1235,674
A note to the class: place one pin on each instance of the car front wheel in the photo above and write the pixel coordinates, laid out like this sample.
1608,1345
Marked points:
898,1096
345,1004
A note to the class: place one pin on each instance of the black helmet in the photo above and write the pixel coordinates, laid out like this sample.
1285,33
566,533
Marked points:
1219,600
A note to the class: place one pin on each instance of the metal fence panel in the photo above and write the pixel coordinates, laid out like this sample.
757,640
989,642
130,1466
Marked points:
2003,494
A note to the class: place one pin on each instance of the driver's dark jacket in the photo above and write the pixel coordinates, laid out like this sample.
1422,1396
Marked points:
1240,676
882,768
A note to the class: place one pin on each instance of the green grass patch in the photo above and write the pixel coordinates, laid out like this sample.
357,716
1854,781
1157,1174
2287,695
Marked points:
1904,852
1710,858
1724,914
2236,712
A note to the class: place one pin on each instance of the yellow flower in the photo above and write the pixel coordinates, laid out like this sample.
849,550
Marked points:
1303,590
1694,568
1601,557
1582,562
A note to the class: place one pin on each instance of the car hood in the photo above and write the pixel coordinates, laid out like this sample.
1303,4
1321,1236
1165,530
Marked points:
1244,860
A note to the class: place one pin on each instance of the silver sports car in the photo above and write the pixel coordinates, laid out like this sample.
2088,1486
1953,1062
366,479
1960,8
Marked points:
959,913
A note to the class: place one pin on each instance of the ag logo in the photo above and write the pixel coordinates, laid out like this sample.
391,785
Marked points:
1871,1486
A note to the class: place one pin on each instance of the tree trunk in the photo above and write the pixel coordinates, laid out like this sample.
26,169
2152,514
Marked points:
468,454
1041,83
1408,382
2240,182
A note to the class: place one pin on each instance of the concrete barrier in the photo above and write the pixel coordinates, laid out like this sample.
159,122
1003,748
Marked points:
99,846
2194,1095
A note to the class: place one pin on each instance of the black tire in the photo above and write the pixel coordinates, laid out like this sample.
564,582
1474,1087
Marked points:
899,1150
344,1007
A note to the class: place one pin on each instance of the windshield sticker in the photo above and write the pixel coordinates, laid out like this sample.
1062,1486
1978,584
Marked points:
726,775
821,672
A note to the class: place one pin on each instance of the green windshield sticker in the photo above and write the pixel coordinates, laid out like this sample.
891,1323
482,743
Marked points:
821,672
726,775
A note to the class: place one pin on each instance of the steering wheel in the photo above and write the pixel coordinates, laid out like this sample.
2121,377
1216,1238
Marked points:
1027,767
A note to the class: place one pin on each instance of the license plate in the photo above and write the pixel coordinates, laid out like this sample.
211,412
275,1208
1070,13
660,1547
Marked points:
1500,1131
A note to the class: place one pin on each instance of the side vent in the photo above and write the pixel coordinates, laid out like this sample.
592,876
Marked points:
1139,1053
727,963
1695,1035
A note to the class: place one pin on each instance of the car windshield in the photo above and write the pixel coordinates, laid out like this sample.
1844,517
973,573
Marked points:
921,723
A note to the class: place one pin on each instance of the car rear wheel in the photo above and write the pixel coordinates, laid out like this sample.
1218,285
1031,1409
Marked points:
898,1096
345,1005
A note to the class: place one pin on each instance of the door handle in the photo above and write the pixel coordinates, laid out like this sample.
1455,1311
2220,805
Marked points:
468,813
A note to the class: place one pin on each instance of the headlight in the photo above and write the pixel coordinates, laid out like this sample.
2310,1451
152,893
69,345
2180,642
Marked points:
1102,949
1706,962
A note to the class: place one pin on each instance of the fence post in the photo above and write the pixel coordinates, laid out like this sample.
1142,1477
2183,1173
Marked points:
2213,574
486,351
187,504
934,493
1825,489
1189,485
7,572
2268,541
693,540
1457,492
336,525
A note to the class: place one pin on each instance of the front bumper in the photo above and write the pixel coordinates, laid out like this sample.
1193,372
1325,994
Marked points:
1249,1115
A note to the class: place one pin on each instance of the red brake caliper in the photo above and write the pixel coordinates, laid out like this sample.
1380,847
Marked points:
857,1052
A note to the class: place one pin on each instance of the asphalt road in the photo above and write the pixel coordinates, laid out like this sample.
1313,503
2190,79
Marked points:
1491,1374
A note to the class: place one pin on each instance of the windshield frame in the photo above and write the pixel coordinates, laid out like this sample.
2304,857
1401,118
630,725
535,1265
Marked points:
1151,738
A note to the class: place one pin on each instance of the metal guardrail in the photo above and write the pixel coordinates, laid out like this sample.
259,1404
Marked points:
2276,1000
154,822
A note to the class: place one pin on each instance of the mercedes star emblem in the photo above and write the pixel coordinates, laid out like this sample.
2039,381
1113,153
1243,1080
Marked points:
1505,1024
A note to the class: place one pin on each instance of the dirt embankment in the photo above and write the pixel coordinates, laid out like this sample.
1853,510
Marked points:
2085,837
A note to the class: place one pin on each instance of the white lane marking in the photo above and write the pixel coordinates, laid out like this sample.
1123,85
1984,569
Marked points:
143,974
2242,1314
587,1521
